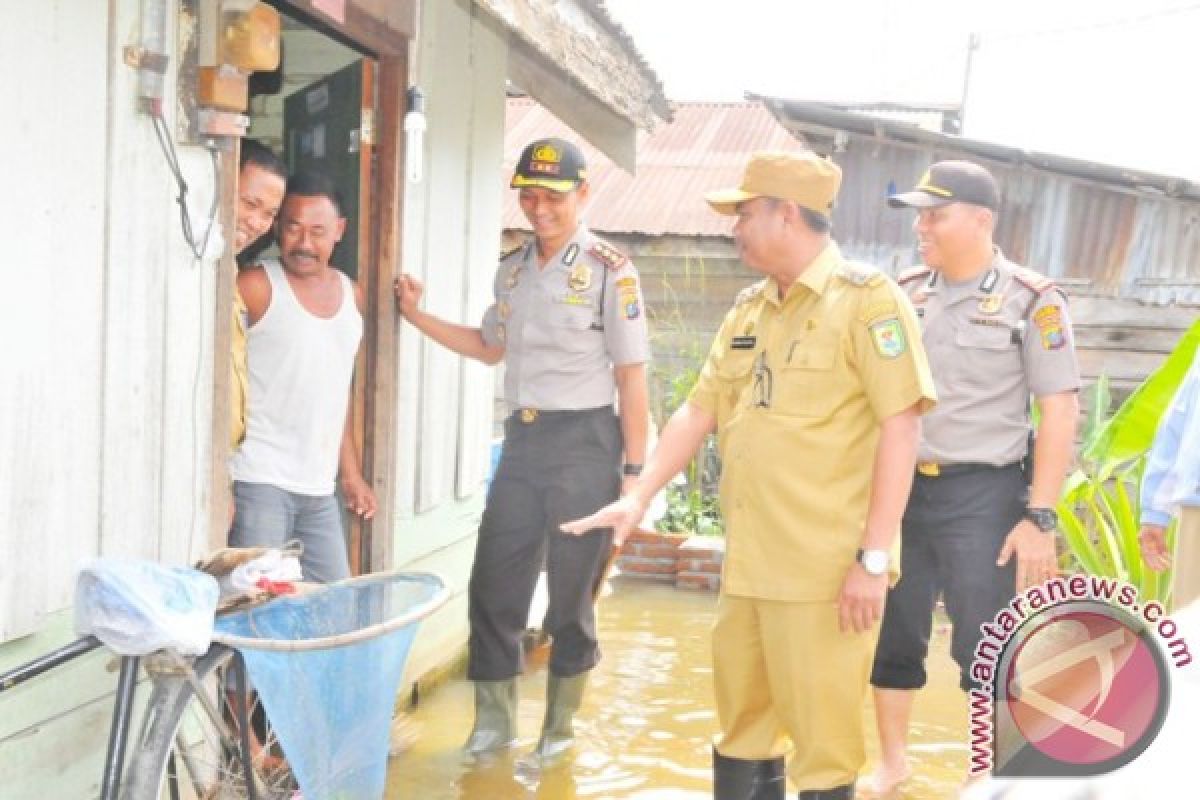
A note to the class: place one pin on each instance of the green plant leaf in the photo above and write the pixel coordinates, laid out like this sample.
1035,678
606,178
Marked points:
1078,543
1099,406
1130,431
1123,524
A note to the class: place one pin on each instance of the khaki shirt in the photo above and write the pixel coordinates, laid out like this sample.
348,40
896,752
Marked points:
565,326
992,342
799,387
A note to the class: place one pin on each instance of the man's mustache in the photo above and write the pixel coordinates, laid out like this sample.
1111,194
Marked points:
301,254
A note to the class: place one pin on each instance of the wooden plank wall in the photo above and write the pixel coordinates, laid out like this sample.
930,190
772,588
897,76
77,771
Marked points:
487,102
689,284
452,232
105,412
51,312
1124,339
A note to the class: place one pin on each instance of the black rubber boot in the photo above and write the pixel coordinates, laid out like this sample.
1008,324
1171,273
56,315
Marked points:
743,779
836,793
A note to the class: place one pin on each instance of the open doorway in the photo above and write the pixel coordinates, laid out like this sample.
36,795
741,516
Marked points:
317,112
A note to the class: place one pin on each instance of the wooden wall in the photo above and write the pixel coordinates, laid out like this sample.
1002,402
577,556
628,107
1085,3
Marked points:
451,234
105,408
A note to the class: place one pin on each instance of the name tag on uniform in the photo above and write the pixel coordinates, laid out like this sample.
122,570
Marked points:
573,299
743,343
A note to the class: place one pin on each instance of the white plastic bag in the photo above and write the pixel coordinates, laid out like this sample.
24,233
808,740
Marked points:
272,565
138,607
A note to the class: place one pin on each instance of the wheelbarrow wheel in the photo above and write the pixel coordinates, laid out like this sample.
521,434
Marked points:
190,747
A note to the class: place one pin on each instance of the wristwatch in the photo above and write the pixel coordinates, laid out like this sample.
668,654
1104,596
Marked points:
631,470
874,562
1046,519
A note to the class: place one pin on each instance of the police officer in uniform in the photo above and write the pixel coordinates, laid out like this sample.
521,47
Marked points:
980,523
569,323
813,386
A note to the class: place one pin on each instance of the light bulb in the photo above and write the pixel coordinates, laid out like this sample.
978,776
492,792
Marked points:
414,136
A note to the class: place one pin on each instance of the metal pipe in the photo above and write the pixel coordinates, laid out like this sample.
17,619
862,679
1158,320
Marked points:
114,762
238,665
152,60
49,661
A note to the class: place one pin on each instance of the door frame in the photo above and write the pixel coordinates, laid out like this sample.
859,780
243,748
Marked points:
381,226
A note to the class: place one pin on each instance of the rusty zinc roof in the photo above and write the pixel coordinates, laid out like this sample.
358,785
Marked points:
1098,229
705,147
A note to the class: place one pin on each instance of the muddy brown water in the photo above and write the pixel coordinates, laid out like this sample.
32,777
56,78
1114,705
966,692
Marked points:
647,723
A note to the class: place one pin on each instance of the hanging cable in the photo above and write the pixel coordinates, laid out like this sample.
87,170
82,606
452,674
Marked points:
167,144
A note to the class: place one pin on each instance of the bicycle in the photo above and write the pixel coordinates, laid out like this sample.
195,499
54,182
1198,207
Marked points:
204,735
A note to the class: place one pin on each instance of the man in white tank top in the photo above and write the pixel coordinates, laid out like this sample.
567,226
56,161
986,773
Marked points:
306,323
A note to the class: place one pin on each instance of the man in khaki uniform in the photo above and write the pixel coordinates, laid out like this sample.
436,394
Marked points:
980,523
813,386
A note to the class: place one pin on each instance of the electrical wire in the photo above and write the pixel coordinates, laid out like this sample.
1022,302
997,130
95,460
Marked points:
1099,25
167,144
202,356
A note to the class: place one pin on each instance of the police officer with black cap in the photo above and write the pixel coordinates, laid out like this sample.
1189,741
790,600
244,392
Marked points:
569,323
979,524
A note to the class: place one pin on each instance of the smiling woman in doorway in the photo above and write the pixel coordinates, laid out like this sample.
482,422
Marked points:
569,324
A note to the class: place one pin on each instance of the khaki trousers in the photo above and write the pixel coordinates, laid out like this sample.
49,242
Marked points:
785,674
1187,558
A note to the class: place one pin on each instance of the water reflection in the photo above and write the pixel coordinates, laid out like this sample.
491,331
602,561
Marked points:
647,723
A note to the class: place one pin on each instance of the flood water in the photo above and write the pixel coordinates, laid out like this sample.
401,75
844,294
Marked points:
647,722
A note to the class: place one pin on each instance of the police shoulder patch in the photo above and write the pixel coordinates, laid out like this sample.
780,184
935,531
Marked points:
512,251
1034,281
749,293
859,274
608,255
912,273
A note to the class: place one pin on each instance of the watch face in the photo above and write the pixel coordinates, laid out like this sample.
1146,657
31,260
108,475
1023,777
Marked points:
1044,518
875,562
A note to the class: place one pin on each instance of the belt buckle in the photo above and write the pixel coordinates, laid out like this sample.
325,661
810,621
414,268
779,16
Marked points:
529,415
929,469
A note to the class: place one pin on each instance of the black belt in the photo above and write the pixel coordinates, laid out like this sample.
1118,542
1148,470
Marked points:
528,416
930,469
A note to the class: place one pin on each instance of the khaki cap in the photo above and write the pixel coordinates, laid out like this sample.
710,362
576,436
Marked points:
806,179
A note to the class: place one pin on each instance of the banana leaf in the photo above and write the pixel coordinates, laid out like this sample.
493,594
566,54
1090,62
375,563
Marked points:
1130,431
1098,408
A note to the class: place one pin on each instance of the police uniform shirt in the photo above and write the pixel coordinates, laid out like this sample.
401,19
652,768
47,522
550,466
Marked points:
566,325
991,341
799,386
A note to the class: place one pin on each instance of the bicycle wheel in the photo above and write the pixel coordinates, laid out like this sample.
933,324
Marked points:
190,746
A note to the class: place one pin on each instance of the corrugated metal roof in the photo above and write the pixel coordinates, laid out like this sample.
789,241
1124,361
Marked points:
1099,229
705,147
835,118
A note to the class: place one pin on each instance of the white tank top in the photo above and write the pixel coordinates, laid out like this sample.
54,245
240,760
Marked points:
300,368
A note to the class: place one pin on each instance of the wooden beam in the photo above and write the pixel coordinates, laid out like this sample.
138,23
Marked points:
382,352
611,133
376,28
220,499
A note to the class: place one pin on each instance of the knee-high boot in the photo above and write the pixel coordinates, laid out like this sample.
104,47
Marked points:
495,717
563,698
